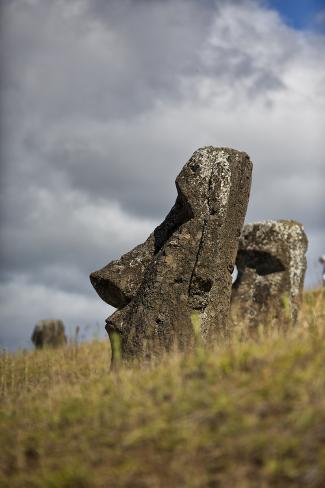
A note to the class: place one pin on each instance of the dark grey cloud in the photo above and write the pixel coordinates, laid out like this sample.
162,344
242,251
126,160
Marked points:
101,104
140,50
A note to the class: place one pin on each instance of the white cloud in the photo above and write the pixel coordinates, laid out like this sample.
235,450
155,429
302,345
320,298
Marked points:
66,229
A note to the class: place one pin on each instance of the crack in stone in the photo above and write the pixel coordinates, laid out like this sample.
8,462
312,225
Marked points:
205,222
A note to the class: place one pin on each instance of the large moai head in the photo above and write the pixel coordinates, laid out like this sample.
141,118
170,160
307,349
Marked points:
49,333
271,266
185,266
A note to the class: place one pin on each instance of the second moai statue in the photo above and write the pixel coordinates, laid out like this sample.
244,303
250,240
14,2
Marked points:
271,265
49,333
185,265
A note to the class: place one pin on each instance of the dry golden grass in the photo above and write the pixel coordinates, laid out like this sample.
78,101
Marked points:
248,414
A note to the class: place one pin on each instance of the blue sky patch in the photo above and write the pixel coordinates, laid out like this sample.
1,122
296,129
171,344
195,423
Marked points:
301,14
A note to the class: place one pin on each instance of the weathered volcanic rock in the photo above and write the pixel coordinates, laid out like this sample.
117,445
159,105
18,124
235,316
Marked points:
49,333
185,265
271,266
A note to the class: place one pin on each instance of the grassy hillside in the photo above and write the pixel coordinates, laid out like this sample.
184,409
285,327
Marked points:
249,414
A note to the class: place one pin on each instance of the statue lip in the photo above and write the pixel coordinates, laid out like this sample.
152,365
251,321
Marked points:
112,327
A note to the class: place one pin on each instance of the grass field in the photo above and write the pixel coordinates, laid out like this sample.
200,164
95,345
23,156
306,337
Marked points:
248,414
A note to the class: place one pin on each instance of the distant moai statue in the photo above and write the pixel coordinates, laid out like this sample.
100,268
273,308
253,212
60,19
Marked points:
271,265
322,262
49,333
184,268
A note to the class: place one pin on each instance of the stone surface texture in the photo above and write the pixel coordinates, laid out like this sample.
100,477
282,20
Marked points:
49,333
185,265
271,266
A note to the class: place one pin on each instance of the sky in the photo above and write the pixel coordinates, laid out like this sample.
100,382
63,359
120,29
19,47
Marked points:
101,104
301,14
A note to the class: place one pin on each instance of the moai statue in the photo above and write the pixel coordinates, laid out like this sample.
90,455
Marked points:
49,333
271,266
185,265
322,262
